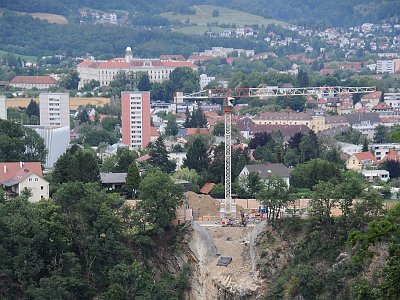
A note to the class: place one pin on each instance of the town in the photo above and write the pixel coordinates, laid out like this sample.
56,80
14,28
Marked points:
264,164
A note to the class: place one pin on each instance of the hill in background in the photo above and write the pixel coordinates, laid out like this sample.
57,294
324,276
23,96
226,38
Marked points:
317,13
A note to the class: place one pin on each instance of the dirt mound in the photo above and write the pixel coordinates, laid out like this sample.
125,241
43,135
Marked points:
203,205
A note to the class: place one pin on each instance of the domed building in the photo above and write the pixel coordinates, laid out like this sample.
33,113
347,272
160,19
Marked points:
105,71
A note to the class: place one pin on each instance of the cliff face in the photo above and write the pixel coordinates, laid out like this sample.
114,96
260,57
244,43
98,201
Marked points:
201,249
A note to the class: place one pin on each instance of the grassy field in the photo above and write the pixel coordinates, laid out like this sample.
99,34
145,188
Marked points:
73,104
24,57
198,29
198,22
51,18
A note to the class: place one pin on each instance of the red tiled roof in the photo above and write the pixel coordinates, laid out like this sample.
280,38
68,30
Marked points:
191,131
33,80
365,156
153,131
172,56
373,95
143,158
200,57
9,170
327,71
389,119
381,105
207,187
392,155
177,64
85,63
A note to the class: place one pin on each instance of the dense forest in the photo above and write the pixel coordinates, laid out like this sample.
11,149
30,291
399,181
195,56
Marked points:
25,35
311,12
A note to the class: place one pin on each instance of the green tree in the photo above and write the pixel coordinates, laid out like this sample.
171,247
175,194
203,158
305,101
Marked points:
12,145
197,156
144,83
35,150
172,128
216,168
324,200
189,175
381,134
274,196
393,167
132,180
86,160
109,163
159,156
188,122
32,109
129,282
184,79
308,174
125,158
198,119
250,185
109,123
70,81
365,147
302,79
160,197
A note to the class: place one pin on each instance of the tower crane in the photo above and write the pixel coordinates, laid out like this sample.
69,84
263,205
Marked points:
227,207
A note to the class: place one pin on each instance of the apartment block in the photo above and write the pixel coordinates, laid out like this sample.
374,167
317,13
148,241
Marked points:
54,109
3,108
385,66
136,129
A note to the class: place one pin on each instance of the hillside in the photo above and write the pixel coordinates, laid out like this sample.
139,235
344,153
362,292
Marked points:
319,13
226,18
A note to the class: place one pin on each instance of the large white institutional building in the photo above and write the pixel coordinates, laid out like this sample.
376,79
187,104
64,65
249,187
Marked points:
104,71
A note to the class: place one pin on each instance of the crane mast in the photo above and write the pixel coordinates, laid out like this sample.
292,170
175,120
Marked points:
227,206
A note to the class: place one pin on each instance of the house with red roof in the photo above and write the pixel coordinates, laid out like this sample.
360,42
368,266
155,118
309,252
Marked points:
30,82
392,155
361,160
15,177
154,134
382,108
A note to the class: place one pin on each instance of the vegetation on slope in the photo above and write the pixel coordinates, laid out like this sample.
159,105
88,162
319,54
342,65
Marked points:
311,12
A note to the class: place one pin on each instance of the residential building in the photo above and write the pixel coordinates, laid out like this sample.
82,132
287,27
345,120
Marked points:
113,181
381,150
267,170
385,66
54,109
3,108
248,128
205,80
30,82
348,148
105,71
393,99
315,123
364,122
361,160
15,177
373,175
392,154
136,129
